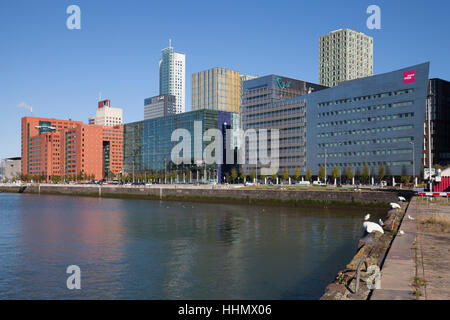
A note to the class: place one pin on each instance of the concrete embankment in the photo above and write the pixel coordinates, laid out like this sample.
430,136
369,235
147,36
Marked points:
216,193
369,259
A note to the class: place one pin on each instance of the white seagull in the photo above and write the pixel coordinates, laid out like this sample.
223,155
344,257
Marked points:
372,227
367,217
380,222
401,199
410,218
402,232
394,205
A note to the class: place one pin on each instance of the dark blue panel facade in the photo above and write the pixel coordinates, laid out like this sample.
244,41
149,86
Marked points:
370,120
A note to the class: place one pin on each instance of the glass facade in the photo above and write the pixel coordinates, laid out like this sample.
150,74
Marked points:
148,143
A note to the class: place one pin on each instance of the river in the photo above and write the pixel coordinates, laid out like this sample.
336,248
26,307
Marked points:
142,249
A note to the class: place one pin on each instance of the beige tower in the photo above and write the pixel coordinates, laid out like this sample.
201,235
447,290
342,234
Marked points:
344,55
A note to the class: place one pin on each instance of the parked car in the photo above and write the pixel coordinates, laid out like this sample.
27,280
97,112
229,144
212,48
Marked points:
303,183
318,183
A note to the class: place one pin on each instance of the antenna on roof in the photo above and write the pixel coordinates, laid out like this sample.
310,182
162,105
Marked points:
99,96
170,43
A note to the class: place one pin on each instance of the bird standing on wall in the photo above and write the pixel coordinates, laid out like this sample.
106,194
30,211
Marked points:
394,205
370,227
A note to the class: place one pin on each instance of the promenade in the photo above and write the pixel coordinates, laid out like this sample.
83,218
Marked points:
418,263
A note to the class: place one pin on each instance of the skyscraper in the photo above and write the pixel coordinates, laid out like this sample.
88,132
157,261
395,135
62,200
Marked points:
172,76
216,89
344,55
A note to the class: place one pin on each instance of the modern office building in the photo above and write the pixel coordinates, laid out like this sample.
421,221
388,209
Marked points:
216,89
344,55
374,120
10,168
148,145
267,104
439,100
159,106
107,115
53,147
172,76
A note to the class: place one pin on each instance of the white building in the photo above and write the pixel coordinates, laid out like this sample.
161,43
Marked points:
344,55
10,169
172,74
106,115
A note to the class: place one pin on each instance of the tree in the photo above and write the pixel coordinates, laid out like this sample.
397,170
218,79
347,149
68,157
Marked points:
234,174
381,171
405,179
296,173
358,173
335,173
349,172
263,177
365,172
274,175
253,174
308,175
322,172
243,175
285,174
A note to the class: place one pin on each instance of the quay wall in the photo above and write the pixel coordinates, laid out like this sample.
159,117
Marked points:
374,198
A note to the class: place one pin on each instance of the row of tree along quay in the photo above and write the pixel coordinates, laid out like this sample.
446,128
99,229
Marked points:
235,175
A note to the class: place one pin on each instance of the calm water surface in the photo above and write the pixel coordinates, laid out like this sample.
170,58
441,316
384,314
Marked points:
138,249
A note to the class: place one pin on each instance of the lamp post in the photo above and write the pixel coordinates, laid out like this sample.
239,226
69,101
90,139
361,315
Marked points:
430,95
165,171
414,165
325,149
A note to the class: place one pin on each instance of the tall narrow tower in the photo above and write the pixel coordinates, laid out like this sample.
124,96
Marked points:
172,74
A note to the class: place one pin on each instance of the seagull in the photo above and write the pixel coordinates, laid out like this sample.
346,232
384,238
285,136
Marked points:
380,222
402,232
395,205
410,218
372,227
401,199
367,217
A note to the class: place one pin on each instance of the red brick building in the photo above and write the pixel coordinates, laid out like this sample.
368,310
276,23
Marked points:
53,147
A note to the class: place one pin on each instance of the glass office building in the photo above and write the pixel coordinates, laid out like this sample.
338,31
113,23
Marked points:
148,145
267,103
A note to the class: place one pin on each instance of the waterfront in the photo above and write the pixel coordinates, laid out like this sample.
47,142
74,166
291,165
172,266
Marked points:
142,249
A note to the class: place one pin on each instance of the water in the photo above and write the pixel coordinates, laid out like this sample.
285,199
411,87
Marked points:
139,249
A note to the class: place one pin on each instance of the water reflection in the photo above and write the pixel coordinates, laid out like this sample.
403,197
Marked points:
135,249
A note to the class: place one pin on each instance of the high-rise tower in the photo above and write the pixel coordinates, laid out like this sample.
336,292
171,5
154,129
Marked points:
344,55
172,70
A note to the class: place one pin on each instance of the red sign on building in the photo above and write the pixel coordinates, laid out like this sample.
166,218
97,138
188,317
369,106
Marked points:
409,76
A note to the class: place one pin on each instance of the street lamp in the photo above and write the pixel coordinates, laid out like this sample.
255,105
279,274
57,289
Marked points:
414,166
325,149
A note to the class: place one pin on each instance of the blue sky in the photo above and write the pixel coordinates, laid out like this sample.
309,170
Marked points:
60,72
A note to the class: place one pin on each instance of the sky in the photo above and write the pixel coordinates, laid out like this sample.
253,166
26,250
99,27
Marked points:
60,72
